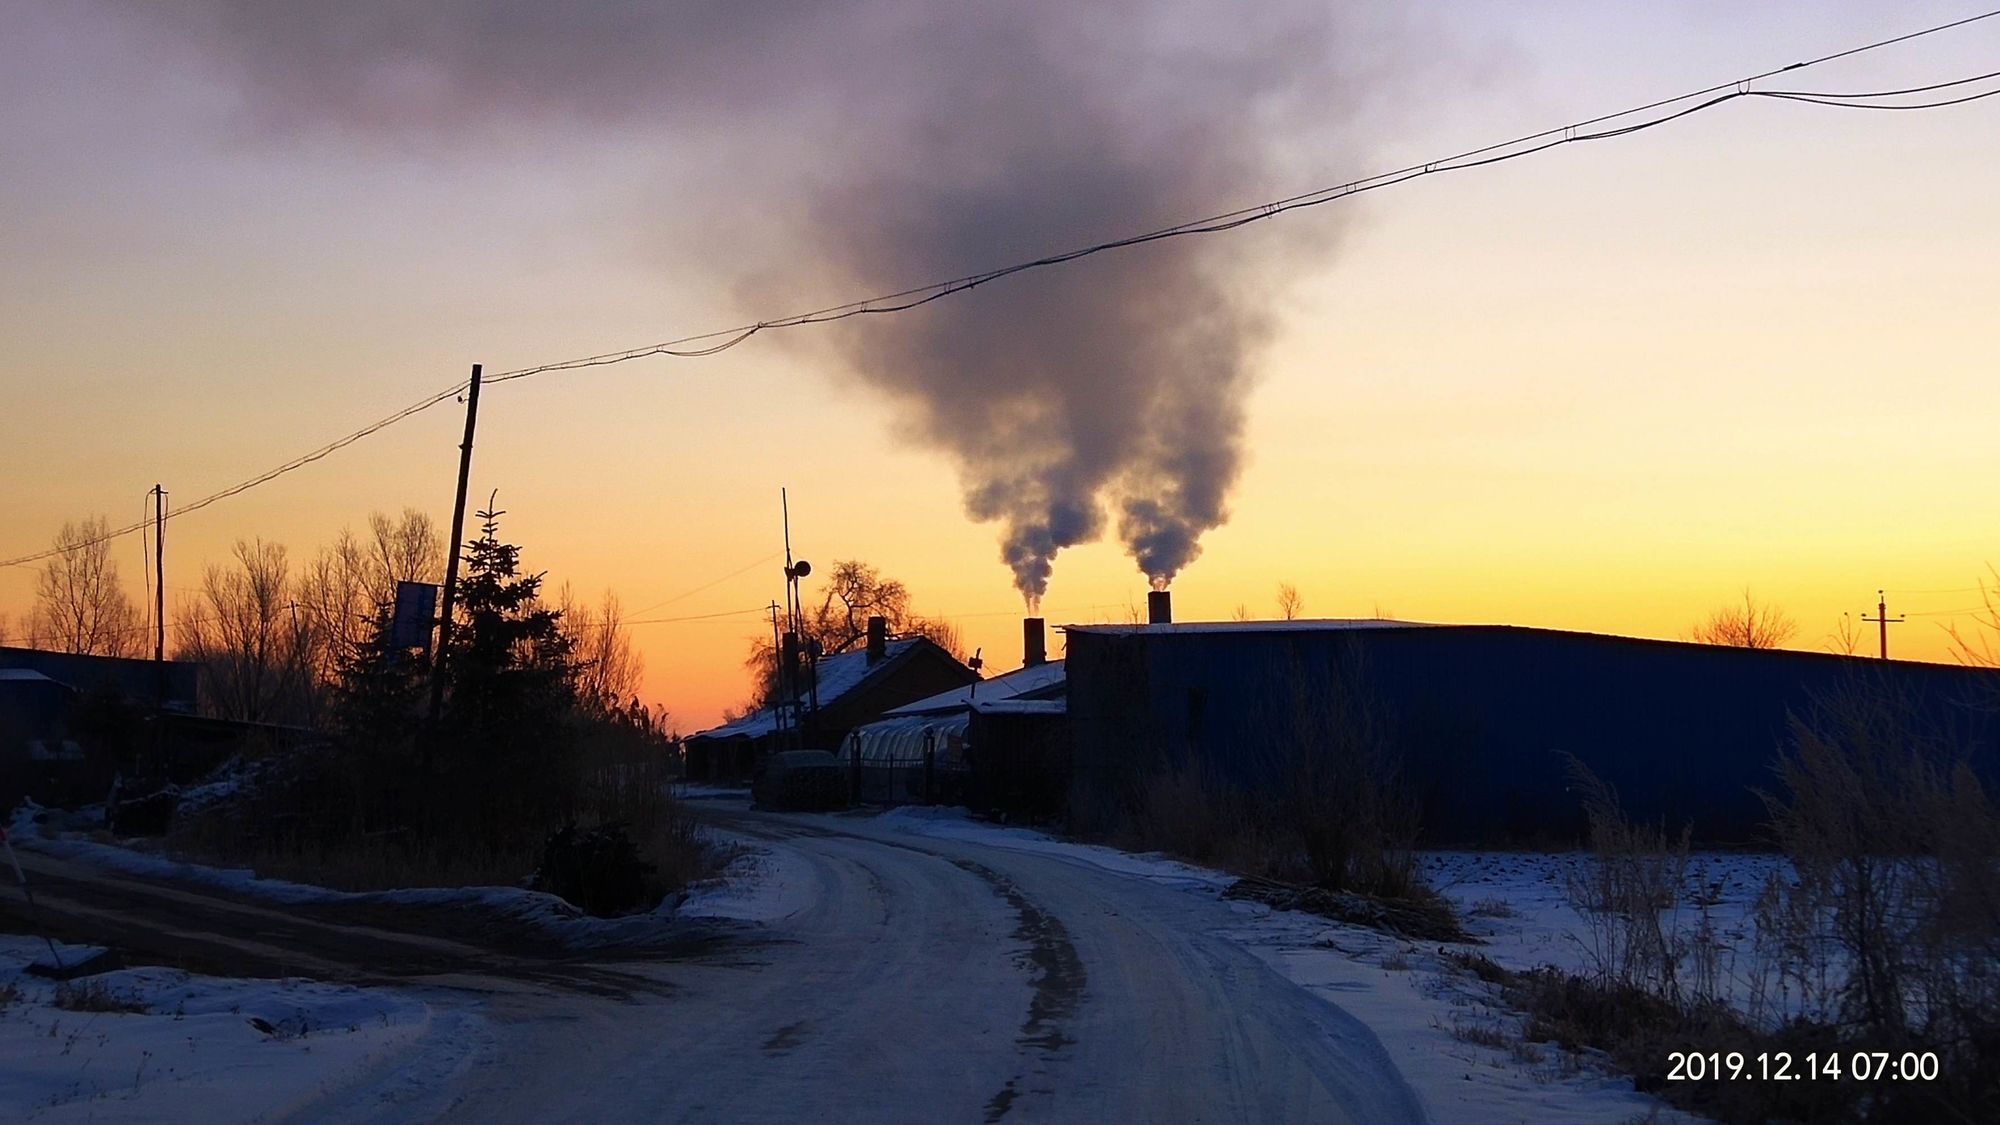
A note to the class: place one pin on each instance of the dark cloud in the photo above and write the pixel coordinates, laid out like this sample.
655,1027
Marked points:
929,140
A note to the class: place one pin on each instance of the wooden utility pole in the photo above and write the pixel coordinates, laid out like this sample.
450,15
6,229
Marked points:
159,595
457,530
1883,619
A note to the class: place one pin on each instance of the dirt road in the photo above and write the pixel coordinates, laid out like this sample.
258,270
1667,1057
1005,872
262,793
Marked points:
937,981
911,979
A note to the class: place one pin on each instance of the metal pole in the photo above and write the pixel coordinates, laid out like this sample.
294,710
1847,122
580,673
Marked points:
457,530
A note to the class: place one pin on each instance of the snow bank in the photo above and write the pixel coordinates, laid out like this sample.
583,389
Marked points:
759,884
957,824
194,1052
548,913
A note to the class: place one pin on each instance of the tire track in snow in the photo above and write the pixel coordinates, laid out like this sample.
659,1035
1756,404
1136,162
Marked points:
1056,976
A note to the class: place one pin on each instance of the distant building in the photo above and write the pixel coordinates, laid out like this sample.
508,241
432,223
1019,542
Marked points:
1484,718
66,719
963,745
172,684
851,689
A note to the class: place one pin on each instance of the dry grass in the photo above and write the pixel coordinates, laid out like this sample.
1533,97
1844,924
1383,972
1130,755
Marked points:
92,995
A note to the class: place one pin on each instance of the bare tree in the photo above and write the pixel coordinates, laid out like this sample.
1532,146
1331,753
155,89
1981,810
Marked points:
939,632
1846,636
1750,625
1240,613
608,667
1290,604
855,591
347,587
79,605
405,549
1979,649
336,603
245,629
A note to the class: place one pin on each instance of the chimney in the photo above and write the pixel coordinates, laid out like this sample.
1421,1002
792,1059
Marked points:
1159,608
878,638
1034,648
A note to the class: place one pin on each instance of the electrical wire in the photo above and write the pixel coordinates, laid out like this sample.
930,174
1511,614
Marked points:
262,478
744,569
906,299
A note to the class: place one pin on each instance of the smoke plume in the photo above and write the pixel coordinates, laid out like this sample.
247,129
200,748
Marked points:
920,141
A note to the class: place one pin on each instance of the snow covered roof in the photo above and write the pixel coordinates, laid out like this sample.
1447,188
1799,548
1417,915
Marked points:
25,676
838,675
1021,706
1312,625
1035,681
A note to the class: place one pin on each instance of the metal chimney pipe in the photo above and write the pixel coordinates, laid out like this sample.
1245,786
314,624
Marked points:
1034,646
878,638
1159,607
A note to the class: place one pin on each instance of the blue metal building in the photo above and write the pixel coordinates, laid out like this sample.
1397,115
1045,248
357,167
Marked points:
1481,717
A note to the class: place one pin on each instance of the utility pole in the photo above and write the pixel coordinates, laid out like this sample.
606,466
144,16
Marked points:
777,672
457,530
1883,620
159,595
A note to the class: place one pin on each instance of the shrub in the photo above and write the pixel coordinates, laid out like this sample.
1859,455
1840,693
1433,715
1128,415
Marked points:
597,869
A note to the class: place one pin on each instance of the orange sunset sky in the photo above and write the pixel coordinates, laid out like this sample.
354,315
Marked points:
1605,387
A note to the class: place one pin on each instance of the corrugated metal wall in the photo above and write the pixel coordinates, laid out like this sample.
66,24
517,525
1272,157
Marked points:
1482,715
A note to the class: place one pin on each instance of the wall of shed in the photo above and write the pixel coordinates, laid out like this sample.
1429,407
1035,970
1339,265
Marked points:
1483,716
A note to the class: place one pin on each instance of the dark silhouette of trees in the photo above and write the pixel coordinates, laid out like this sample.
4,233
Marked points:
1290,604
1750,625
608,667
504,744
79,605
341,591
245,629
854,592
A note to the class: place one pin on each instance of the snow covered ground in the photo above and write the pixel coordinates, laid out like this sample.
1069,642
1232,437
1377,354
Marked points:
197,1048
194,1048
1419,1005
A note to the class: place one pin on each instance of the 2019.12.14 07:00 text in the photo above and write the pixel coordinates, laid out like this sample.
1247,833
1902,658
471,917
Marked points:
1783,1066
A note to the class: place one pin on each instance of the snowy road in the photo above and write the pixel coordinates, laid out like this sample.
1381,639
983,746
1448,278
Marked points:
929,980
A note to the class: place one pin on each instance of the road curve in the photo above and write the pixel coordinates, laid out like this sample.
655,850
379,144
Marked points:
943,981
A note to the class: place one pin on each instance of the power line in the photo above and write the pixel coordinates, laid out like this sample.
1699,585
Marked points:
744,569
905,299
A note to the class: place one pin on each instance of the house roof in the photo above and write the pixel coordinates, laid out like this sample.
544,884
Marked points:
22,675
1021,706
1034,682
839,674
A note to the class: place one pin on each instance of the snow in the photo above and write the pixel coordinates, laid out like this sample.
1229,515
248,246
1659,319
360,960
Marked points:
758,885
1407,993
193,1053
1036,681
837,675
958,824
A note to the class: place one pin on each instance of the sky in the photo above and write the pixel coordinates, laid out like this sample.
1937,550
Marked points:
1606,387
